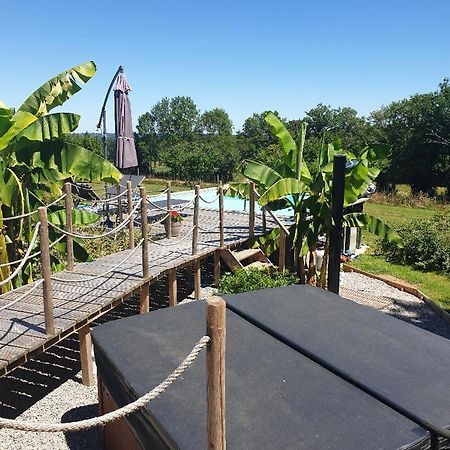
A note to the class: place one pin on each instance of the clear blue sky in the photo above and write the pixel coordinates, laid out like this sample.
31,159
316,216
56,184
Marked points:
243,56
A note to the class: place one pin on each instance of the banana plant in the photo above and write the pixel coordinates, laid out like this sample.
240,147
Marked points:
35,162
290,184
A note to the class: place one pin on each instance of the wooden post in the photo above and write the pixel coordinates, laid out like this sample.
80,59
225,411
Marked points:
145,289
215,373
130,209
217,272
251,214
196,218
46,271
282,251
119,204
169,209
197,278
221,217
69,220
173,287
264,220
337,209
87,376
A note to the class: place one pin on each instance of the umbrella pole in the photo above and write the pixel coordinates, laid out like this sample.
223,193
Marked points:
102,124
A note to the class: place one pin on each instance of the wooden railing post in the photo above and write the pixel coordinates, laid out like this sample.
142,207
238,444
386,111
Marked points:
251,214
169,209
197,265
221,218
119,205
264,219
87,373
145,289
282,251
46,271
215,373
68,202
130,210
173,300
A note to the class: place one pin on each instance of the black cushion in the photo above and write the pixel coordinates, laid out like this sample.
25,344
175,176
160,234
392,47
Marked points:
392,359
275,397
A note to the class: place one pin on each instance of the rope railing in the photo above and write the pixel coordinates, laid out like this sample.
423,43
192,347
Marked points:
209,201
178,207
99,236
113,415
101,275
28,214
25,258
101,200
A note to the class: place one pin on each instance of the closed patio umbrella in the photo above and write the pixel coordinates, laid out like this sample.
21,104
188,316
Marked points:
125,155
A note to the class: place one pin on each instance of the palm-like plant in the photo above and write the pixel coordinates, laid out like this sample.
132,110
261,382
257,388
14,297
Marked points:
35,161
290,184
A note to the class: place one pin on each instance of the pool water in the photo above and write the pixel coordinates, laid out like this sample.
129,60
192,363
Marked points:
210,200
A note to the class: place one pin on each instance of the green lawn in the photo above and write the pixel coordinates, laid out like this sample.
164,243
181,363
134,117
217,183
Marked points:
433,285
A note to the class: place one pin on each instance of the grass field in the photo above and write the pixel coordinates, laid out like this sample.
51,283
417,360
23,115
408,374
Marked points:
435,286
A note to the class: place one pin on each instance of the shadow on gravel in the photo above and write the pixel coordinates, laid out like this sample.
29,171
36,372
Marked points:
86,439
35,379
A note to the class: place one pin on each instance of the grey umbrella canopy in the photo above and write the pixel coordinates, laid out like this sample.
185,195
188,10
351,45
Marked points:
125,155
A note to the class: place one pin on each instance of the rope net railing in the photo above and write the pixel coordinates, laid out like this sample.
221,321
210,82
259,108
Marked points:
99,236
101,275
113,415
31,213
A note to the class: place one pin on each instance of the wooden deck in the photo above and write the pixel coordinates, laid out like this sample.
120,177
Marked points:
76,304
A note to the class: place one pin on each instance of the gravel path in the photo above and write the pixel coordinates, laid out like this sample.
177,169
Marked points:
49,387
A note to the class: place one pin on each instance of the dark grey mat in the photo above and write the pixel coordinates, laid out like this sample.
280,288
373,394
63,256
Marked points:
393,360
275,397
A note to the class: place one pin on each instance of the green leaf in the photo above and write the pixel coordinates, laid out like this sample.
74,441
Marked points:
239,190
20,121
51,126
282,188
373,225
80,217
57,90
259,173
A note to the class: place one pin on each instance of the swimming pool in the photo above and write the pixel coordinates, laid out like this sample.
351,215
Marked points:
210,200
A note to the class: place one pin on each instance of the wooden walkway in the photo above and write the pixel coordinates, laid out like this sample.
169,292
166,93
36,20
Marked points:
77,303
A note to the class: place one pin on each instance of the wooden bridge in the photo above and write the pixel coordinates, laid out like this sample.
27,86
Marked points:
36,316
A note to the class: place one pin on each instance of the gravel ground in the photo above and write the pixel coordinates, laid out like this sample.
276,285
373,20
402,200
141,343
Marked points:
49,387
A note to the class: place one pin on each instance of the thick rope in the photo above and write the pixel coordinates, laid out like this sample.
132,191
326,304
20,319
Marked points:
94,277
100,200
25,294
114,415
22,216
173,243
179,207
98,236
156,222
25,258
12,263
209,201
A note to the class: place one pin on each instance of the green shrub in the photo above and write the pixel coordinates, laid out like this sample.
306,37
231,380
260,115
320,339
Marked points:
245,280
426,245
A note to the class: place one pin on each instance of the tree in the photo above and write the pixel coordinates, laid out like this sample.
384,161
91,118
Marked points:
90,142
215,122
290,184
35,160
146,143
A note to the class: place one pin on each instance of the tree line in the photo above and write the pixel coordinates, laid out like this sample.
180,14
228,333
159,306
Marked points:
176,140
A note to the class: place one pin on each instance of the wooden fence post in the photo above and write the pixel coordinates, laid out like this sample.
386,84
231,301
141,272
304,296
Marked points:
130,210
119,205
264,219
169,209
282,251
87,374
221,218
251,214
46,271
173,300
68,202
145,289
197,265
215,373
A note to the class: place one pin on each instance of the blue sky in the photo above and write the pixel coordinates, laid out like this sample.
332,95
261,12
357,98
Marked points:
243,56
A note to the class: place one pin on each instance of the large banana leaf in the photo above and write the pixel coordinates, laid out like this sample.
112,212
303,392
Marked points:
80,217
11,127
261,174
372,224
282,188
66,160
51,126
239,190
57,90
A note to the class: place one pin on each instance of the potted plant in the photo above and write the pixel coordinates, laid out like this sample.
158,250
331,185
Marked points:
175,218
